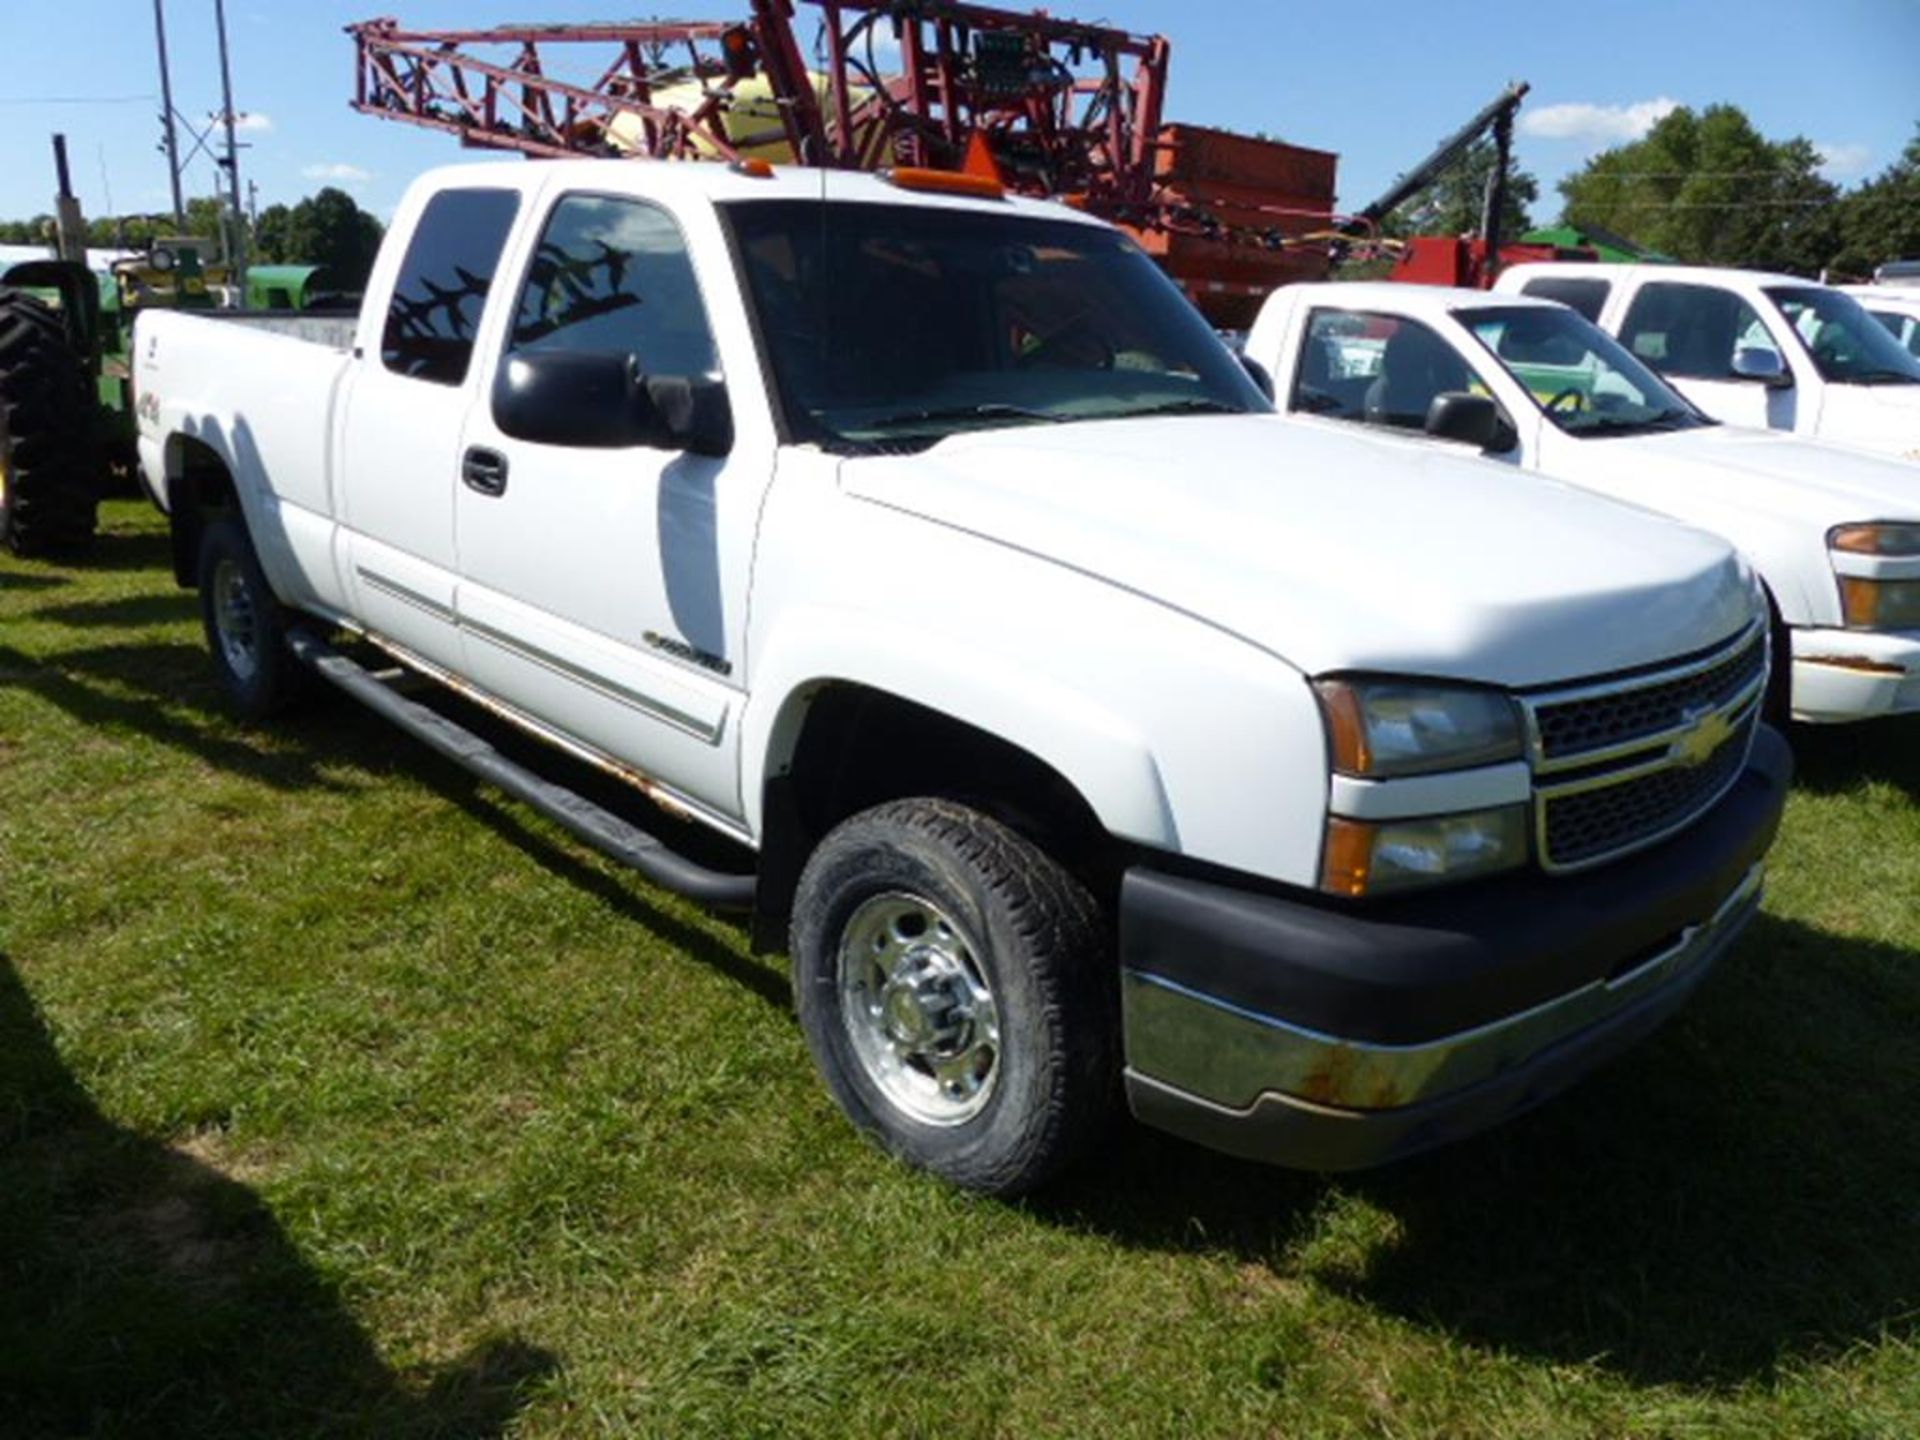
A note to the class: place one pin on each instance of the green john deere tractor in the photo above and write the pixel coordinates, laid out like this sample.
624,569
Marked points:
66,389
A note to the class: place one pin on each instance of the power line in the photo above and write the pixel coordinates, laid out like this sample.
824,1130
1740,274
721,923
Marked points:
77,100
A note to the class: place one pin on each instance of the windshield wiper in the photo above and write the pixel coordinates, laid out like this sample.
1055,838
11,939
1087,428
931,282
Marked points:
1617,425
990,411
1189,405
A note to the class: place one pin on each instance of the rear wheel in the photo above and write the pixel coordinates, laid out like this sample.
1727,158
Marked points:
48,451
246,626
956,989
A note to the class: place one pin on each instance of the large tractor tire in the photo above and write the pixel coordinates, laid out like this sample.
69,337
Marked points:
49,495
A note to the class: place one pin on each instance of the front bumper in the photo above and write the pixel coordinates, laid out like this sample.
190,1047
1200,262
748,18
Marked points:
1841,675
1334,1038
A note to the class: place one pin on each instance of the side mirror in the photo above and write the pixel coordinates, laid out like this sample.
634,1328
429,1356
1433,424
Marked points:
1472,420
1766,366
601,402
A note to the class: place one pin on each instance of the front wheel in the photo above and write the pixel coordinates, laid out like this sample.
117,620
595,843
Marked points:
958,994
246,626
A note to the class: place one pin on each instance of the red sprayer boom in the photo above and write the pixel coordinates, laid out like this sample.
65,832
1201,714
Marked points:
1052,107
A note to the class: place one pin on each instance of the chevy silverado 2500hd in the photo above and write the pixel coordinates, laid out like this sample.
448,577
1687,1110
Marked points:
1834,532
1082,718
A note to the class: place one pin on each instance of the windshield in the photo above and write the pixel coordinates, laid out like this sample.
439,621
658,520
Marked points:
1848,345
891,327
1577,373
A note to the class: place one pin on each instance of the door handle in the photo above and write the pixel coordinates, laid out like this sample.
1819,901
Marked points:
484,471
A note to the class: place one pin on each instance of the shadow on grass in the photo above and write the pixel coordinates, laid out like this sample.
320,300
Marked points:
163,692
165,680
19,580
167,608
144,1292
1741,1191
147,547
731,962
1833,759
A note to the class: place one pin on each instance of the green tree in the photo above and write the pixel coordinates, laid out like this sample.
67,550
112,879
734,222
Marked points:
1455,203
330,229
271,235
1709,188
1880,220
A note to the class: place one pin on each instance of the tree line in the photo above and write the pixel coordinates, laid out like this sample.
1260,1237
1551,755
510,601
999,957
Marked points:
328,228
1708,188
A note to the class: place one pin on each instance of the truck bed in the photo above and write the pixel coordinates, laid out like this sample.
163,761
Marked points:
333,331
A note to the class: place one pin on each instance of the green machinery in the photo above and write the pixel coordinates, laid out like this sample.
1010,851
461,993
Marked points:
67,424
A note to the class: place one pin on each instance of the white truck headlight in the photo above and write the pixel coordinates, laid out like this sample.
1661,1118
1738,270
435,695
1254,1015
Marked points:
1378,857
1880,604
1380,728
1881,539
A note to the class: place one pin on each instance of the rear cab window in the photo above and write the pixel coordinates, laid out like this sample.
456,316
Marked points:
445,276
1582,293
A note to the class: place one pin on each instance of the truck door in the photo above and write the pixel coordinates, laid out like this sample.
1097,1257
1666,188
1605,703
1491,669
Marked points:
404,412
595,594
1695,334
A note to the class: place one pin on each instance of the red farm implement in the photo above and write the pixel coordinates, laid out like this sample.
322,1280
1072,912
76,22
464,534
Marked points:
1052,107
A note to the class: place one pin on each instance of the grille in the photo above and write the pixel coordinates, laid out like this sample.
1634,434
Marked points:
1571,728
1590,824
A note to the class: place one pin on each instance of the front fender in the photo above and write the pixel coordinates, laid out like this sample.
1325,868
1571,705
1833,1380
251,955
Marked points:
1099,752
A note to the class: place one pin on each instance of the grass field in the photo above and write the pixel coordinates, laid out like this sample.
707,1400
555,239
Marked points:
339,1096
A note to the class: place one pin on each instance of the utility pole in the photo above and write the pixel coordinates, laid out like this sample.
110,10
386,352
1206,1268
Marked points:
238,262
169,141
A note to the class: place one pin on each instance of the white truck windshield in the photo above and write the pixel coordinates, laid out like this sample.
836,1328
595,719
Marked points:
1579,375
1848,346
891,327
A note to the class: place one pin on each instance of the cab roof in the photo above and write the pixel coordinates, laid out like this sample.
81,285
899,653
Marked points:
694,180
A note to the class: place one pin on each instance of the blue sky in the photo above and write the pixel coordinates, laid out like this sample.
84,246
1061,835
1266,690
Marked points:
1380,84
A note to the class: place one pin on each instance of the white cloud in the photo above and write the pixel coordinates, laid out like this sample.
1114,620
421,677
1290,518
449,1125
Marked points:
1597,127
247,122
337,170
1843,162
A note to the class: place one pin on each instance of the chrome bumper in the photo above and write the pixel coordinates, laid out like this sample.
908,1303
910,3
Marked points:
1259,1086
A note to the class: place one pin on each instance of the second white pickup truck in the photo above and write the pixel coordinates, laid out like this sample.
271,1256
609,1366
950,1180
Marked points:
1750,348
1074,717
1834,532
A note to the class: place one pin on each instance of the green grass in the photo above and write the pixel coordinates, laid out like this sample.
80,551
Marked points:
340,1096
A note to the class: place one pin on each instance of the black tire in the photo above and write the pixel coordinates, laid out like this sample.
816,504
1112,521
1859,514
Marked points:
246,626
1776,706
1020,922
49,451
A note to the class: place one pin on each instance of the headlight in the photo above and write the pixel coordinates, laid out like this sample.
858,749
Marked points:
1374,858
1880,604
1397,727
1885,539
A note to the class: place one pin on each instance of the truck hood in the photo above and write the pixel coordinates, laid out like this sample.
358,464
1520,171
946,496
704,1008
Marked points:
1701,475
1336,551
1881,418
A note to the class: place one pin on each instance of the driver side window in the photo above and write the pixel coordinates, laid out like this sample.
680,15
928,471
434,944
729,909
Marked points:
1375,369
613,276
1693,331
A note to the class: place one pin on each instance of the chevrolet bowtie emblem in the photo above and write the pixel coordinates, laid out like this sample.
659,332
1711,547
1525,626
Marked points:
1710,731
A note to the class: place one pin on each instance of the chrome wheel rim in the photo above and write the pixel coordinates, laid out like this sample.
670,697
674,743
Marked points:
236,620
918,1010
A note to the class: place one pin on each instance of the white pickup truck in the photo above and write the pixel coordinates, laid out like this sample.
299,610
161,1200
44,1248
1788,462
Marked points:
1075,717
1834,532
1895,306
1770,351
